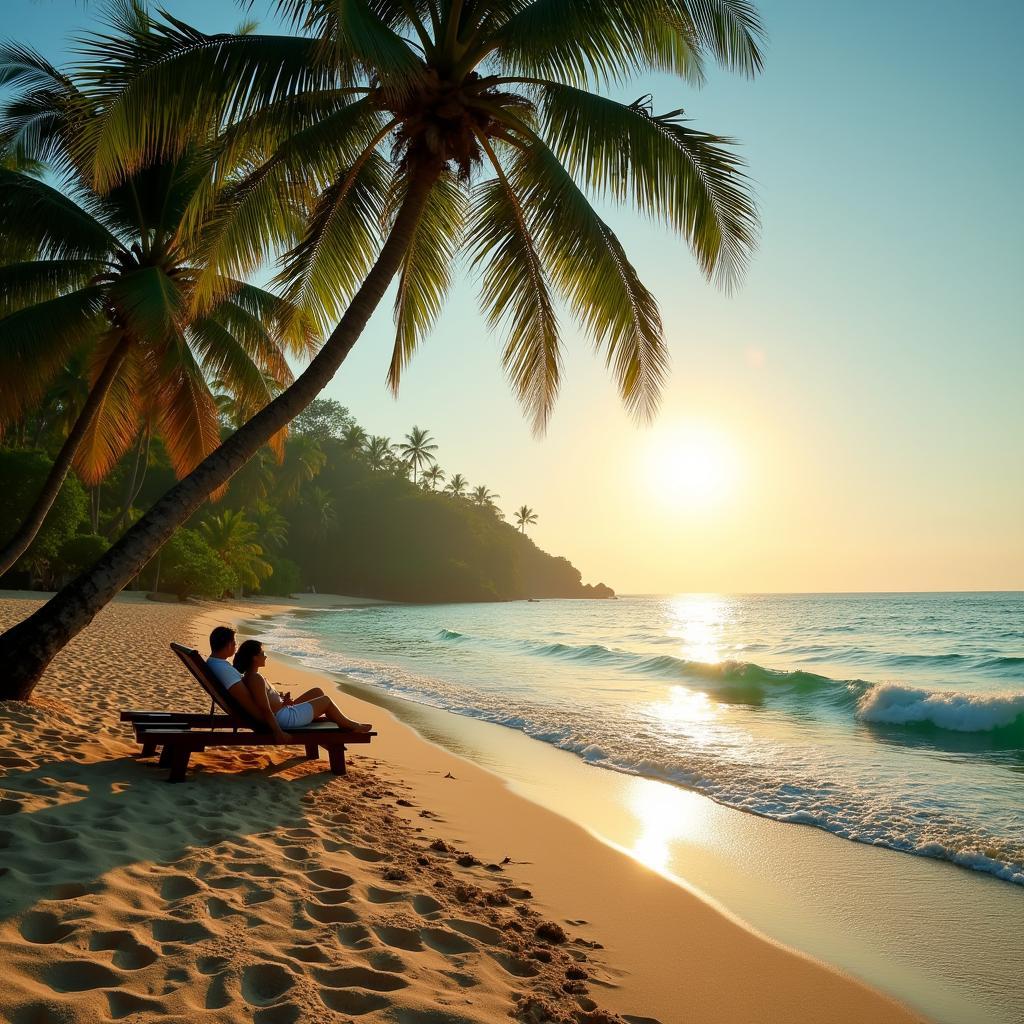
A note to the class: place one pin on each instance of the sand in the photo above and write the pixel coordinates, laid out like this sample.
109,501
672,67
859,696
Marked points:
265,889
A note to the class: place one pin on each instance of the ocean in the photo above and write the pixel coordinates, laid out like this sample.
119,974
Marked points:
890,719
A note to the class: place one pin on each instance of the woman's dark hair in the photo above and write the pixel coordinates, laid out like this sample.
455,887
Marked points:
247,651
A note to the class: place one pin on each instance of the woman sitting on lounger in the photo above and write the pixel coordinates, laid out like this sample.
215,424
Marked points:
279,711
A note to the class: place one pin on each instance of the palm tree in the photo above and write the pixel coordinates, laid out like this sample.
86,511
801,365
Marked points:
525,516
483,498
111,284
433,476
457,486
233,538
418,450
354,439
462,128
379,453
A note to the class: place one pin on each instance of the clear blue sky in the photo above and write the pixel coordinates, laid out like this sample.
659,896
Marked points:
863,387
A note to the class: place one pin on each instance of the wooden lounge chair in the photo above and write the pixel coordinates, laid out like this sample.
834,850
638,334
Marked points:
181,733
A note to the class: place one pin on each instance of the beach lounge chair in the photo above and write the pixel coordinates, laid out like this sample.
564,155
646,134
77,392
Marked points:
178,734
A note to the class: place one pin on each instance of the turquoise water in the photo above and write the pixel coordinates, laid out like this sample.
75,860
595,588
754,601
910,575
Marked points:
890,719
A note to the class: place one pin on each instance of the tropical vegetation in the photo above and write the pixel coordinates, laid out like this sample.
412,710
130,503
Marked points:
280,531
389,141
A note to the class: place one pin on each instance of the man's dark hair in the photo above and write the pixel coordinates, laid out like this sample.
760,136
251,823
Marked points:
220,637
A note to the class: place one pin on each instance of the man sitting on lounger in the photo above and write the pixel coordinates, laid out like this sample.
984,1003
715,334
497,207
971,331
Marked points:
258,698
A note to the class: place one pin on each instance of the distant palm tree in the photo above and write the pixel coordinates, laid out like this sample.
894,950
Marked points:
418,451
324,509
457,486
525,516
433,476
380,453
354,439
233,536
483,498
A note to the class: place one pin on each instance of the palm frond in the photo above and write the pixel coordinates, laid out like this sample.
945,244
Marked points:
115,425
589,266
186,414
224,359
264,210
26,283
515,293
578,42
323,271
426,272
686,179
165,85
35,342
35,214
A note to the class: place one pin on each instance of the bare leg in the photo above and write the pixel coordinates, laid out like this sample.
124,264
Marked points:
308,695
324,707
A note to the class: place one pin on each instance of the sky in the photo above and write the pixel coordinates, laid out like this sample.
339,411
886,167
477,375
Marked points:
851,417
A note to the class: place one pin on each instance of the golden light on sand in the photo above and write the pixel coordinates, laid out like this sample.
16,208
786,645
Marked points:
692,465
664,815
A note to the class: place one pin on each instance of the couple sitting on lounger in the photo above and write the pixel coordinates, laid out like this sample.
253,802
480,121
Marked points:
258,698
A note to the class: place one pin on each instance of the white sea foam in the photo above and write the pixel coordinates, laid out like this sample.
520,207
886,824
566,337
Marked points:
961,712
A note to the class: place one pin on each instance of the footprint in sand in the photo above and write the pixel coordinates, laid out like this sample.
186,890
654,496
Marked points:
360,977
124,1004
211,964
355,936
170,930
311,954
178,887
330,879
44,928
265,983
286,1013
330,914
426,906
516,967
79,976
129,953
8,806
376,895
400,938
386,960
448,942
217,995
475,930
352,1001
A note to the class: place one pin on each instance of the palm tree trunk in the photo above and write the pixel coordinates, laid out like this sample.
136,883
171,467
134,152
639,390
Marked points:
27,648
18,544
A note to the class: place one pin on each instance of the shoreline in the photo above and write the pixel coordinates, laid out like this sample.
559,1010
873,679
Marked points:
260,890
645,959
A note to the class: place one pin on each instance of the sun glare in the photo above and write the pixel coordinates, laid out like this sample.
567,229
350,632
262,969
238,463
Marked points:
692,466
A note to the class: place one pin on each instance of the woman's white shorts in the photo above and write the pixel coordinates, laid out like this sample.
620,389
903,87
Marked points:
295,716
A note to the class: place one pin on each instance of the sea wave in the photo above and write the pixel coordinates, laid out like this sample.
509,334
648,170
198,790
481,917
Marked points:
891,704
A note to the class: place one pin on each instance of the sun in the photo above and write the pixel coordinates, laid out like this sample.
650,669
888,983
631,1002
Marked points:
692,465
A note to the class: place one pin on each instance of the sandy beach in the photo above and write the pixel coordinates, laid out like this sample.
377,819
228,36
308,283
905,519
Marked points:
417,889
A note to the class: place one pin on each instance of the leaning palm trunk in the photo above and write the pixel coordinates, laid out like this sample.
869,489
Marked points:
19,543
27,648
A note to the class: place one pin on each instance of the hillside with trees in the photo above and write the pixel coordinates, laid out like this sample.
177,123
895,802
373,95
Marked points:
333,509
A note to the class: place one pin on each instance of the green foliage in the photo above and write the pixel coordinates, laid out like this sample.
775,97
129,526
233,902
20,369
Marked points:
21,477
322,419
285,578
232,536
190,567
80,551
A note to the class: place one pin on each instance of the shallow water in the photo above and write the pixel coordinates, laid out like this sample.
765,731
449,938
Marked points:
895,720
